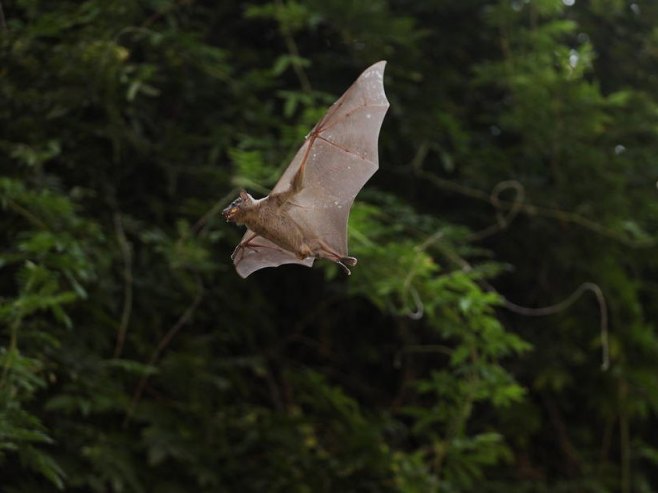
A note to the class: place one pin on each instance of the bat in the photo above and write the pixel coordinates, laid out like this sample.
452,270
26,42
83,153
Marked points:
305,215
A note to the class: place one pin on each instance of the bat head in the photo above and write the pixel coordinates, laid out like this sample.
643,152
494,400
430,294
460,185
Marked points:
233,212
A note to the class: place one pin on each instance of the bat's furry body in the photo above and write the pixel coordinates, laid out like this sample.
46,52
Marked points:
269,218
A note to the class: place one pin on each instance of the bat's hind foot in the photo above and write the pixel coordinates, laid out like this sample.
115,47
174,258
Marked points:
320,249
351,261
241,247
344,262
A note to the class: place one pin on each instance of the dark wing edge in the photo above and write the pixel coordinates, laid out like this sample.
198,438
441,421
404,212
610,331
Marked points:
255,252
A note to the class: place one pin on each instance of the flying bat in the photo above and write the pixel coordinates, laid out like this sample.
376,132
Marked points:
305,215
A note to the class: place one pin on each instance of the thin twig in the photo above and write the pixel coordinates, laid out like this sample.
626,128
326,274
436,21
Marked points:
275,393
407,287
516,206
218,206
12,350
552,309
535,210
164,342
29,216
624,438
574,461
504,218
3,22
566,303
456,424
294,51
15,324
126,254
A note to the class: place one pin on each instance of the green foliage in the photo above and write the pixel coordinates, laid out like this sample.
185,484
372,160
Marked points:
517,162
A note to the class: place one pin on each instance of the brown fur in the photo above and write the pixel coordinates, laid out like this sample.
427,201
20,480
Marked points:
268,218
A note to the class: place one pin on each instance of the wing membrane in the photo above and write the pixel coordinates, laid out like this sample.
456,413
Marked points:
337,159
255,252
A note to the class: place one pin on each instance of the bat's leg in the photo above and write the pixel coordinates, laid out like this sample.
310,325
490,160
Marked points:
242,245
325,251
305,251
345,268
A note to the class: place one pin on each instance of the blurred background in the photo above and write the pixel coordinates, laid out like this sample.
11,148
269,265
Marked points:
507,249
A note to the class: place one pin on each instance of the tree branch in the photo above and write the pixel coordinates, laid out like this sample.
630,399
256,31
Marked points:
164,342
3,22
126,253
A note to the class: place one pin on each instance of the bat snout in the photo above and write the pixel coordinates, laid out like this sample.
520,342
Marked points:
229,213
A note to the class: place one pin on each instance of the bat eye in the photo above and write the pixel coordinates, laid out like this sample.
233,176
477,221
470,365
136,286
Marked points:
236,203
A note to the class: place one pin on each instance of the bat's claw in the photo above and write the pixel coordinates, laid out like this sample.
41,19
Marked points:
351,261
344,262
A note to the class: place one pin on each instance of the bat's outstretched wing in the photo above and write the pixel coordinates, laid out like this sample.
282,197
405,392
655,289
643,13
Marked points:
255,252
337,158
339,155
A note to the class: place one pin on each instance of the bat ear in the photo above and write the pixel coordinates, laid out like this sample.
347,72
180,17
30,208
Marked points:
244,195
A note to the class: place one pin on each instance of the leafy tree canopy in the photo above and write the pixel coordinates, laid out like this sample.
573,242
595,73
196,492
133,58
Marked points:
511,226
